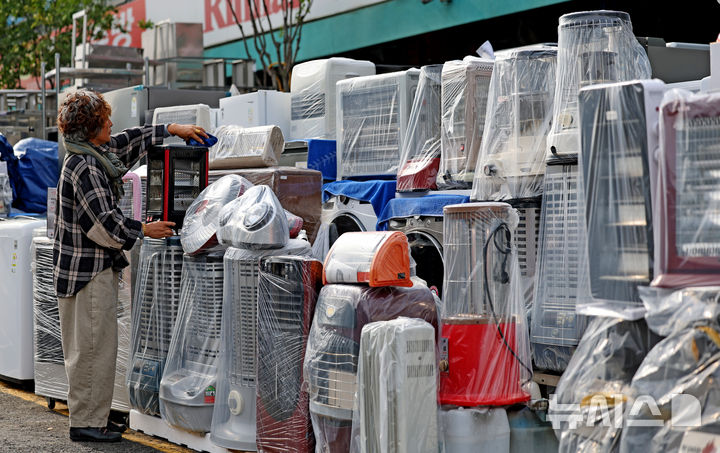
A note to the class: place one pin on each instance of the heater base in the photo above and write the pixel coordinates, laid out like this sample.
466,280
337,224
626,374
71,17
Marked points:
155,426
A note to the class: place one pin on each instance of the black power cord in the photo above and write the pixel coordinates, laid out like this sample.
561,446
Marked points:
505,250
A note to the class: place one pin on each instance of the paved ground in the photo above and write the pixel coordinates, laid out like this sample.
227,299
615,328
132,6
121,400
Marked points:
27,425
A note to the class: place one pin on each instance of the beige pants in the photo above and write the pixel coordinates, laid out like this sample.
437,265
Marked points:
88,323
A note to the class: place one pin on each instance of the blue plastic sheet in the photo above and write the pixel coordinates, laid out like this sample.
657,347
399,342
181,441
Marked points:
32,168
429,205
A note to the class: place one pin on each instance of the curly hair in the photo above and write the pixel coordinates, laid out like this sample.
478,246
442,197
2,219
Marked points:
82,115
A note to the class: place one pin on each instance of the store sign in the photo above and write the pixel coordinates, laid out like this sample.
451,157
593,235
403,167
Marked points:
220,25
128,16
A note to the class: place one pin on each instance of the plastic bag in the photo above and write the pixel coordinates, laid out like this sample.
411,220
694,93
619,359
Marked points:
32,168
242,147
255,220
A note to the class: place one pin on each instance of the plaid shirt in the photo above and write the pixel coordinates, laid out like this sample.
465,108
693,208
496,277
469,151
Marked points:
91,231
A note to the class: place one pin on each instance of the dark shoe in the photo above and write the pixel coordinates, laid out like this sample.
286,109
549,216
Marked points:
116,427
94,435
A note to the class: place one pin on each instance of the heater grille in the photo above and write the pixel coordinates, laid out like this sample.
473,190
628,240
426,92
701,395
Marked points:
243,290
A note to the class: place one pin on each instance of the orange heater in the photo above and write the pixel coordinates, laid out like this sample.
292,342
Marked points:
378,258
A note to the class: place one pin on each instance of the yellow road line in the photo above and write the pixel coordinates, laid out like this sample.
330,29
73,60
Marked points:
133,436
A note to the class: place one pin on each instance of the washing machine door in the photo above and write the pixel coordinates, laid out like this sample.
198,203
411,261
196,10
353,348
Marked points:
427,252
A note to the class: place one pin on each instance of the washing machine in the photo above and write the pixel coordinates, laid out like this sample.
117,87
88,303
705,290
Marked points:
421,219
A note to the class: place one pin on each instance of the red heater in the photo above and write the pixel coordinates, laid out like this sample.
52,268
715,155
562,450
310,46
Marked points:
484,349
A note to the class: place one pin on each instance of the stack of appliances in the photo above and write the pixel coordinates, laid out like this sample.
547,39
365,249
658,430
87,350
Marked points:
287,293
464,96
253,227
313,94
593,47
511,160
372,118
367,279
420,153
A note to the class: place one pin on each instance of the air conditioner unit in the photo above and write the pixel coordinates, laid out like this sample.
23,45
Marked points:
189,379
177,175
485,355
420,153
687,214
618,138
313,95
397,387
154,311
372,118
464,91
511,163
234,414
593,47
197,114
331,359
555,327
287,293
259,108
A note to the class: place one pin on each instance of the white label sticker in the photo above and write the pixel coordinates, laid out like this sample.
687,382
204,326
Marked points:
133,107
697,442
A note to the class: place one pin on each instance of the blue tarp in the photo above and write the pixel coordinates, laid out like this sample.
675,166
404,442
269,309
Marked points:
32,168
322,156
377,193
428,205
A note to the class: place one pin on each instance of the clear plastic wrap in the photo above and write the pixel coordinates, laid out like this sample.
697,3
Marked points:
255,220
6,196
678,378
199,230
593,394
555,326
477,428
395,406
593,47
485,351
312,90
287,292
511,162
372,118
687,202
379,258
234,414
420,152
244,147
326,236
618,138
154,310
331,359
189,379
465,86
298,189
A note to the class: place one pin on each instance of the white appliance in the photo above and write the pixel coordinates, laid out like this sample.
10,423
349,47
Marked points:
372,118
16,322
259,108
197,114
397,387
312,92
346,214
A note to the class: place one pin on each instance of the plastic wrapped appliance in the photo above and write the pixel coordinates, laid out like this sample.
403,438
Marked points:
258,108
287,292
511,163
618,138
420,152
464,92
197,114
234,415
372,119
466,429
189,380
242,147
331,359
593,394
154,311
199,231
395,403
6,196
255,220
313,94
593,47
176,175
687,214
298,189
16,323
526,239
378,258
484,350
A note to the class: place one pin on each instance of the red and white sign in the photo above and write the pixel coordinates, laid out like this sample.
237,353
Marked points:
128,16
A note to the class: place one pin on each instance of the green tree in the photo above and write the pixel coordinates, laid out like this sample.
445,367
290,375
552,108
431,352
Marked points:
36,29
276,62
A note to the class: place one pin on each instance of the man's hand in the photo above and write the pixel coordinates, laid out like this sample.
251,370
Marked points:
158,230
188,131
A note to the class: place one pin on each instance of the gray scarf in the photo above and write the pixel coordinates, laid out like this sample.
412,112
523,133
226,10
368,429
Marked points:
114,168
